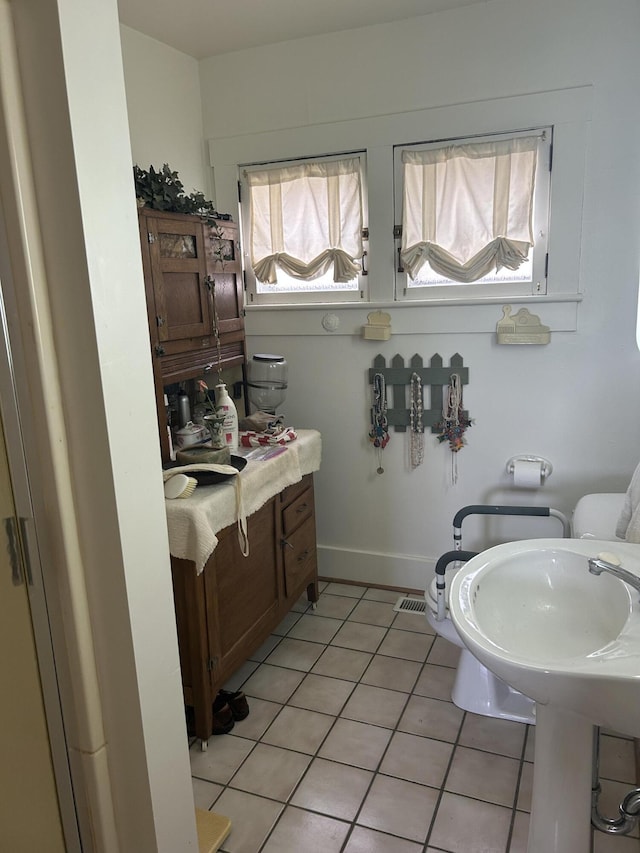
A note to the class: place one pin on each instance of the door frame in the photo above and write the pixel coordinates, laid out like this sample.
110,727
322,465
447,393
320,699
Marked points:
16,418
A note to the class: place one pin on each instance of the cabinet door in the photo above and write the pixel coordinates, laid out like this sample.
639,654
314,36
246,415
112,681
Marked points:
178,270
242,593
225,276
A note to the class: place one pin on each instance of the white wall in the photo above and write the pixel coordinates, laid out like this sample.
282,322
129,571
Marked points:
573,401
165,115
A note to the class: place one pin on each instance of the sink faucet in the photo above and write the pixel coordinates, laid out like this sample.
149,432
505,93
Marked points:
598,565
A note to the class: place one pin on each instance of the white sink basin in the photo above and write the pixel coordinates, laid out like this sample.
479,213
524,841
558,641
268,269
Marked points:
548,607
534,615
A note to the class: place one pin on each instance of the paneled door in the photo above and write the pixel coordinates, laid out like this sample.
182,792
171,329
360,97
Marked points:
29,813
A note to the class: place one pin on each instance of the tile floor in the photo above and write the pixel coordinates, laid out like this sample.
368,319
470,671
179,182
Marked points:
352,744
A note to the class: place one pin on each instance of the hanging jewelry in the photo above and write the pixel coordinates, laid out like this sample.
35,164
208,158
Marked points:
454,422
416,422
211,287
379,432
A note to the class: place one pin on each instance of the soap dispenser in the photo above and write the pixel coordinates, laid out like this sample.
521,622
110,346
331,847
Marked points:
225,406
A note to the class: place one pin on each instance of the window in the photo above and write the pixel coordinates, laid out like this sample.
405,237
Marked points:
304,226
474,216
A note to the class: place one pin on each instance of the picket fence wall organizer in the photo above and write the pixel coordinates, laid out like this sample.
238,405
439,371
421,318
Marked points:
445,415
398,378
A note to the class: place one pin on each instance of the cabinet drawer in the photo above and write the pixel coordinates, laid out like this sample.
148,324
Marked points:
297,512
289,494
299,551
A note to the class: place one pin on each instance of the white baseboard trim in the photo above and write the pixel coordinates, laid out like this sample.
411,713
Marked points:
370,568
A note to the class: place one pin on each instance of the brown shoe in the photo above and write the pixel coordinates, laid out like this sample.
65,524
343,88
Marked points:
223,720
237,702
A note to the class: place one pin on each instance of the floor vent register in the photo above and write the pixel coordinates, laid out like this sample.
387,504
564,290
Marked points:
407,604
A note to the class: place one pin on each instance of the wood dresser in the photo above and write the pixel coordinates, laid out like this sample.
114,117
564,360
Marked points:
228,610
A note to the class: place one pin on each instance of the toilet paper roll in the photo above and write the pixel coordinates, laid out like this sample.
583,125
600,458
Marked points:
527,475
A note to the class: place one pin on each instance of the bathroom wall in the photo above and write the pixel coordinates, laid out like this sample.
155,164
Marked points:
165,115
571,401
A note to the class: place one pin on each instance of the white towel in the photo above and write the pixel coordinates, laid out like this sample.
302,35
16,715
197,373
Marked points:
628,526
193,522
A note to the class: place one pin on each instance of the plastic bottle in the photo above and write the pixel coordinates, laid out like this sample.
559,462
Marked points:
225,405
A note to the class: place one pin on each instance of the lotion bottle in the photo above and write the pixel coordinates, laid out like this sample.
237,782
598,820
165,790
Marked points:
225,406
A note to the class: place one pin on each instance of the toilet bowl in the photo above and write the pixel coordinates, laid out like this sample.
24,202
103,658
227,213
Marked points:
475,688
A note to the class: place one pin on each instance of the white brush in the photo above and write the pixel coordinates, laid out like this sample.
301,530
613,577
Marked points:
179,486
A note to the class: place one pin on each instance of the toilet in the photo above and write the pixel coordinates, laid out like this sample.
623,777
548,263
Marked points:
475,688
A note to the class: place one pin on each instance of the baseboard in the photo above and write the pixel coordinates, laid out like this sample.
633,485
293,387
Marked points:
396,571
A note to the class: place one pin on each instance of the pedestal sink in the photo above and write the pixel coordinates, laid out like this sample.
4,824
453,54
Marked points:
532,613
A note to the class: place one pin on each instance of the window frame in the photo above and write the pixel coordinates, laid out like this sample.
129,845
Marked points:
458,291
317,296
570,112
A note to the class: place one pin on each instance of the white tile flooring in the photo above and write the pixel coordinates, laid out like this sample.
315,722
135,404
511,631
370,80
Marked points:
353,744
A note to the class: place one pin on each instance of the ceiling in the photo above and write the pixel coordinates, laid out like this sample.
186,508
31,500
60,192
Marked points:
202,28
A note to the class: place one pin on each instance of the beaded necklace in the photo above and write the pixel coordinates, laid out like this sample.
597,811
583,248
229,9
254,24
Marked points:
416,422
379,432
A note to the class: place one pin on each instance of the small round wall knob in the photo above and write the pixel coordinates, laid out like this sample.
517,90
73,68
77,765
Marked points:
330,322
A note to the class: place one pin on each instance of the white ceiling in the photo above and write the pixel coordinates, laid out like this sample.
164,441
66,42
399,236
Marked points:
204,28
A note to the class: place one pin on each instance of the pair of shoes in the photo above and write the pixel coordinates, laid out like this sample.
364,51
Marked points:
223,720
237,702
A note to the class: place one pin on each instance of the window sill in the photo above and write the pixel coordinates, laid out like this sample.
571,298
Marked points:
443,316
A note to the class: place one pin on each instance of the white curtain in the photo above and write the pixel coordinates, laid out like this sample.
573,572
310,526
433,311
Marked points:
306,219
467,209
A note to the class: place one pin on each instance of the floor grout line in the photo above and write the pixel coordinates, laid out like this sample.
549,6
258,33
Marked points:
393,731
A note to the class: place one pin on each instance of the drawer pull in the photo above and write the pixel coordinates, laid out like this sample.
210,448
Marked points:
302,508
283,543
304,555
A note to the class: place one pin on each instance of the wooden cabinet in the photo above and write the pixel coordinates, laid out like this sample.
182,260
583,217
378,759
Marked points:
194,290
178,279
224,614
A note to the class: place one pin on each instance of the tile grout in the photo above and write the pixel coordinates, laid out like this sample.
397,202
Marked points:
394,730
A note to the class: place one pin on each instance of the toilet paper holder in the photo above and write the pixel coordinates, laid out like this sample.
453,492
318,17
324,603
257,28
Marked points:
545,466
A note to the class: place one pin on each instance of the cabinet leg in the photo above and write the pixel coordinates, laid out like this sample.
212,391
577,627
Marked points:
312,593
204,745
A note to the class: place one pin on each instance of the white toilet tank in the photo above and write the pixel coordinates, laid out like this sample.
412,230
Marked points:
596,516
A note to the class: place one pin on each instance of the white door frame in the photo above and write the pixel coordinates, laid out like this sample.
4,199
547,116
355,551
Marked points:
81,321
15,419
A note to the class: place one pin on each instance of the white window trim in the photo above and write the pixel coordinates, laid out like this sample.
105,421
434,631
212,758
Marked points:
479,290
568,110
293,298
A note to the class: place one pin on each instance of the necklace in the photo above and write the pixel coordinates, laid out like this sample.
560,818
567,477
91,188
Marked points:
379,432
416,423
454,423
